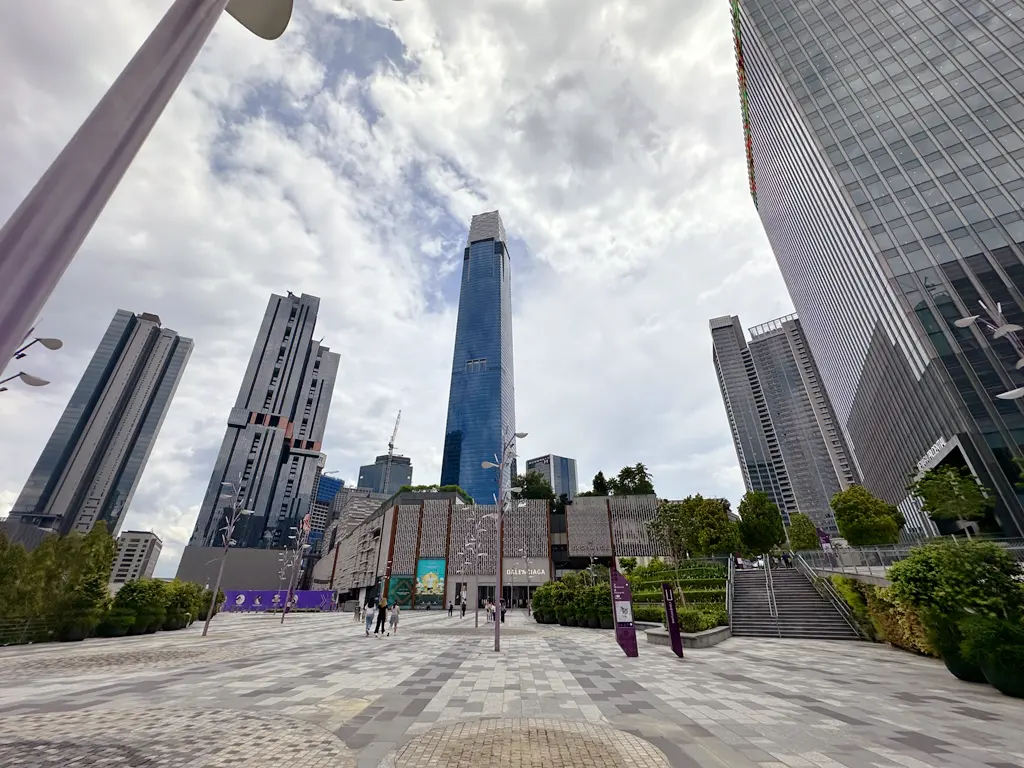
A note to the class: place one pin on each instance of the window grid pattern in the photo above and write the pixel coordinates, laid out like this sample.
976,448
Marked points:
526,528
587,521
434,531
631,521
403,558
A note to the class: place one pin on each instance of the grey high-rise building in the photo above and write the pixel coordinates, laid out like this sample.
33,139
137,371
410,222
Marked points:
272,449
886,159
559,471
95,457
808,452
371,476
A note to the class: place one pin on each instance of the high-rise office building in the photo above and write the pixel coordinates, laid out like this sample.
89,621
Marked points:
559,471
137,553
325,488
481,402
92,463
757,446
271,451
886,159
809,456
371,476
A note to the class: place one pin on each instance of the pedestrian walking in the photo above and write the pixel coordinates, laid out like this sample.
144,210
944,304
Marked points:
463,609
394,619
382,614
451,608
368,613
501,605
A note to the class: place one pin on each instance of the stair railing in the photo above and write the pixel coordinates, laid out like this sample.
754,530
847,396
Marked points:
824,586
769,585
730,586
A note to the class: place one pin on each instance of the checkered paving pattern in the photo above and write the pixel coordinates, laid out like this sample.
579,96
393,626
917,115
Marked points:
318,692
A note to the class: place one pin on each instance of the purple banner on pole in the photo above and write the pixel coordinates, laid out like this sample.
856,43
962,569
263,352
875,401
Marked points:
622,610
671,619
272,599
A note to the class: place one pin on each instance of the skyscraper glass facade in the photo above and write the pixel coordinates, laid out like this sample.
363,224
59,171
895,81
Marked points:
887,164
559,471
371,476
92,463
481,401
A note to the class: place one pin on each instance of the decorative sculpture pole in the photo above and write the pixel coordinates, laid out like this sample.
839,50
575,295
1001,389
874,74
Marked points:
43,235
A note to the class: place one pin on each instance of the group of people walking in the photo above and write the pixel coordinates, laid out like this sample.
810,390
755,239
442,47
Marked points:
381,612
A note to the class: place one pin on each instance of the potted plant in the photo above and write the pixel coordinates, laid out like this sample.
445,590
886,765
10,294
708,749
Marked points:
996,644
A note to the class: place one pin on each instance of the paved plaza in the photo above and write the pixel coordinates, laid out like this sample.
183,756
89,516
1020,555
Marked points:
317,692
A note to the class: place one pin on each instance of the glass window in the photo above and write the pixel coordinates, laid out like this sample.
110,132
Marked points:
1006,172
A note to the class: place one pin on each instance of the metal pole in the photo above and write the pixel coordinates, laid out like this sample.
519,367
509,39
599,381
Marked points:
300,544
229,529
39,241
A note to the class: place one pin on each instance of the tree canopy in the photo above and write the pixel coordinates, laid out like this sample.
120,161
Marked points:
760,525
952,493
438,489
865,520
803,534
631,481
695,526
535,486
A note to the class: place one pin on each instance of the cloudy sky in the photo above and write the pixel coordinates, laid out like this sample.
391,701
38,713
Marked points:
346,159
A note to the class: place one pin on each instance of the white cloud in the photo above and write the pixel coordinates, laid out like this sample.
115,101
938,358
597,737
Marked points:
345,161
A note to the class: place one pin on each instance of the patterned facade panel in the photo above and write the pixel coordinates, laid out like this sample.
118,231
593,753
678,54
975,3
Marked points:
526,529
631,520
472,533
434,533
403,561
587,521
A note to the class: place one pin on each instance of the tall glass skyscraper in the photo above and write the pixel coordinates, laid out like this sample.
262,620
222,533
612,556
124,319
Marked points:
886,161
92,463
271,450
481,402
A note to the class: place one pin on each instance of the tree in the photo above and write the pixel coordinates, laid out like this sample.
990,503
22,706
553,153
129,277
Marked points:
761,528
952,493
535,486
695,526
599,486
865,520
632,481
802,533
627,564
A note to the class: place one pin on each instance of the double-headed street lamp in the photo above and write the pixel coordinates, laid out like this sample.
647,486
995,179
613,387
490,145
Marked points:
508,452
28,378
39,241
1000,328
236,514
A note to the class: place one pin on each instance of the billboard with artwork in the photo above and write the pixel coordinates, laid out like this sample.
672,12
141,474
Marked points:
400,591
273,599
430,582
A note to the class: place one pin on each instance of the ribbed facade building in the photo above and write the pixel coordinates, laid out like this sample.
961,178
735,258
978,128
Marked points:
271,453
92,463
481,401
886,159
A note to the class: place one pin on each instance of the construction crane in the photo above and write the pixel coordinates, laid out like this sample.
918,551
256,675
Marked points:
391,455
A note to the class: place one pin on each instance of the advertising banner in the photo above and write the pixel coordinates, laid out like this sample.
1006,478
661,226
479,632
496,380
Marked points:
430,582
622,605
400,591
272,599
671,619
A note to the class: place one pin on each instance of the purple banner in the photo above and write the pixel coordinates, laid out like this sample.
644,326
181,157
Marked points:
273,599
622,610
671,619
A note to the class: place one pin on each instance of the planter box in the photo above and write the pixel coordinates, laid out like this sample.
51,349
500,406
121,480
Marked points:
705,639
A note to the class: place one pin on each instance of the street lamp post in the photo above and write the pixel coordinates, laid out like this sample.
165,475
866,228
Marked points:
39,241
26,378
1000,328
507,453
300,550
229,530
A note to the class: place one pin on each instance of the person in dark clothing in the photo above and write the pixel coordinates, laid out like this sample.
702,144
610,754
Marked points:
382,612
451,608
502,605
463,609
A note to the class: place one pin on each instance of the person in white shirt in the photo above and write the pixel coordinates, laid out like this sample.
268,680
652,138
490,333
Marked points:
394,618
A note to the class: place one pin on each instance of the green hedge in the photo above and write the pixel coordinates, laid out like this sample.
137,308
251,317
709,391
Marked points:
883,617
698,596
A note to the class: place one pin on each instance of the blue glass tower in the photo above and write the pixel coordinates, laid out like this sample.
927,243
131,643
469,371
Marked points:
481,402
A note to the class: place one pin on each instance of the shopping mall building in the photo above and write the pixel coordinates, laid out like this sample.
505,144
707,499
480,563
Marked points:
421,554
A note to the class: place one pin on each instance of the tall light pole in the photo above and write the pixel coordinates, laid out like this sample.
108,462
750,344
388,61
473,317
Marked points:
229,529
300,549
43,235
508,452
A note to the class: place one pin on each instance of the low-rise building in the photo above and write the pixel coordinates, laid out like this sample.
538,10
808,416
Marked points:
137,553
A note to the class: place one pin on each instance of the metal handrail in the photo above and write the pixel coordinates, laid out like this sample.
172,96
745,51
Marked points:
873,561
769,584
824,587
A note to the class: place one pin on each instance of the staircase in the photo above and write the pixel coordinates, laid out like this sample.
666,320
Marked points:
803,613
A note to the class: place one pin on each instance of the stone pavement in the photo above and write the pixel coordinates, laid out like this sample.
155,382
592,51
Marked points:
317,692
